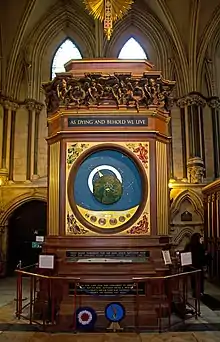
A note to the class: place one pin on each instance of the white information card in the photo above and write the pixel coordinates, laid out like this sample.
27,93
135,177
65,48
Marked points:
46,261
186,258
166,257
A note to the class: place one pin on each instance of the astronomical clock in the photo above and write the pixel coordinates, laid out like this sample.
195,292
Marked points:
107,188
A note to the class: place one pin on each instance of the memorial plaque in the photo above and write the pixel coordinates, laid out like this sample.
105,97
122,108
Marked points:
101,289
135,256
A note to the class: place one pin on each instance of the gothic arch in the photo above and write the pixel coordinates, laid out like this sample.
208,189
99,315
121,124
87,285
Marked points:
14,204
41,45
209,35
190,196
185,232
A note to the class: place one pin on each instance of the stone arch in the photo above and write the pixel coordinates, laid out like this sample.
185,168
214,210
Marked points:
208,37
183,233
190,196
44,40
17,202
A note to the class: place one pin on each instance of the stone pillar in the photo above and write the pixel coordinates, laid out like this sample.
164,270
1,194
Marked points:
8,133
34,108
14,108
214,104
191,111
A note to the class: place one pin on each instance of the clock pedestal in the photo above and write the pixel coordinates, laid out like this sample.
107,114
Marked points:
109,119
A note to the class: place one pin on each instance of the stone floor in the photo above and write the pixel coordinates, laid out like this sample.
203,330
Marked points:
205,329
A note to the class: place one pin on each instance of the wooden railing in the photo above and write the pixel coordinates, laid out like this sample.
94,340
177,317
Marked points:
173,297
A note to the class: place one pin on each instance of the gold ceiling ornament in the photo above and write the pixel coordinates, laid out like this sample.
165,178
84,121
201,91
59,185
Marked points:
108,11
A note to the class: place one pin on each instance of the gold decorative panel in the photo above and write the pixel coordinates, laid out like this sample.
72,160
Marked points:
133,220
162,189
54,181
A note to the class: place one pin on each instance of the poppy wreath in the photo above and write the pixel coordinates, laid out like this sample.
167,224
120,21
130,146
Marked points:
85,318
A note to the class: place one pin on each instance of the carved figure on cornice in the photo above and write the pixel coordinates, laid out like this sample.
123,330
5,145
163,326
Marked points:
195,168
138,95
98,89
51,100
76,95
129,94
117,94
164,97
63,90
153,91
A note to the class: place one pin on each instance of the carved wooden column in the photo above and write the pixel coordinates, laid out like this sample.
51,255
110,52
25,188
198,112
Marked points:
34,108
214,104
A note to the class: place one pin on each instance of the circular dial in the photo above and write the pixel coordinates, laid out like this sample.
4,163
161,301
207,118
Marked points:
106,190
114,312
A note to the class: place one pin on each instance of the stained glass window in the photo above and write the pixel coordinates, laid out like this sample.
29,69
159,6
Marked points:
64,54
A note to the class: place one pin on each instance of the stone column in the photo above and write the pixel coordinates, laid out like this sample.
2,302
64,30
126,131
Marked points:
14,108
34,108
191,108
214,104
8,130
184,134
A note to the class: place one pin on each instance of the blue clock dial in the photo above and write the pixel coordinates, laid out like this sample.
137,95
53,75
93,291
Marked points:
111,163
106,188
114,312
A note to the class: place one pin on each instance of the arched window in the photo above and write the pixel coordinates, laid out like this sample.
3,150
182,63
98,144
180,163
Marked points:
64,54
132,50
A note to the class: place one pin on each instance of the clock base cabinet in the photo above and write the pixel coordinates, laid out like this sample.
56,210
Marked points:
101,282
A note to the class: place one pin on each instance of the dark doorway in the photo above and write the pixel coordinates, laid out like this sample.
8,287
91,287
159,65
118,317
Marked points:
25,223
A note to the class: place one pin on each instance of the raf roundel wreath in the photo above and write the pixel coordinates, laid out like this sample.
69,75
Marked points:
85,318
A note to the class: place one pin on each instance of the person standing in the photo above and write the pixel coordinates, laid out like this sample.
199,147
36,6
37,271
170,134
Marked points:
196,247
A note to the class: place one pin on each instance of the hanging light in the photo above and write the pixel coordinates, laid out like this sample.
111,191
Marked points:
108,11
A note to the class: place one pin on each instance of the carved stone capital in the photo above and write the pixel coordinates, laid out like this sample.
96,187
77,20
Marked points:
195,168
191,99
214,102
181,103
33,105
3,177
10,105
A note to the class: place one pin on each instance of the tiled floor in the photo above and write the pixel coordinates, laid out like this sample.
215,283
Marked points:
13,330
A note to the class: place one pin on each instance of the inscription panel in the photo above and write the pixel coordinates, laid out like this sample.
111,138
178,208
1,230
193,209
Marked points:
135,256
100,289
111,121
